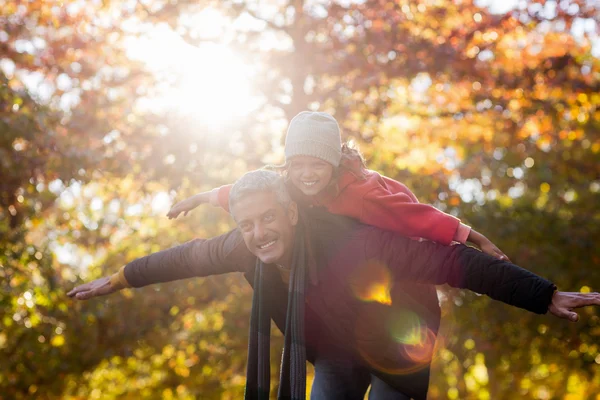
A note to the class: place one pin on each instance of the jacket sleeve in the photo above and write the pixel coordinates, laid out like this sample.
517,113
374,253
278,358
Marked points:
223,197
462,267
196,258
398,212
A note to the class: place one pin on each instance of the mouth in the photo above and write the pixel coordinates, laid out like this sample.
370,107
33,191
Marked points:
309,183
266,245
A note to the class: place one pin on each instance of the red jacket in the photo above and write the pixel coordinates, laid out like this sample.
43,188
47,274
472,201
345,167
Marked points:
381,202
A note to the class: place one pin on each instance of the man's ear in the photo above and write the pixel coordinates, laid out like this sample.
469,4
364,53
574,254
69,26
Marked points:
292,213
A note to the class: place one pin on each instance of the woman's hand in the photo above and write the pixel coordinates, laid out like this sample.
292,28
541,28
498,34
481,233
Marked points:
187,205
98,287
490,248
486,245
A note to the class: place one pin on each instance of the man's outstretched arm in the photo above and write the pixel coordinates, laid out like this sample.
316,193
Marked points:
467,268
197,258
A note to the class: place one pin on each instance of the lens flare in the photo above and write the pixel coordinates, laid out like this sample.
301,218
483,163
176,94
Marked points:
390,365
371,282
423,351
396,330
406,327
397,342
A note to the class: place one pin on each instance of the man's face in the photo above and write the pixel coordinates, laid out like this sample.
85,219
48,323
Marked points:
267,227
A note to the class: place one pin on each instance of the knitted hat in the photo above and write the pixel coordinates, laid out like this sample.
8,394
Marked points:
314,134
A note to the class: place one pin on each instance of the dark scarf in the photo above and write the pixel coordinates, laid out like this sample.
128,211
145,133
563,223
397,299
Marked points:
292,375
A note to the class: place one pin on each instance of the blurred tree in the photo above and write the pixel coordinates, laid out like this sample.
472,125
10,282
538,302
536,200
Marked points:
493,117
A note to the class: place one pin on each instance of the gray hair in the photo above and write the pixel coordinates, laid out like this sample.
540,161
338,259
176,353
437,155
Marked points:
260,181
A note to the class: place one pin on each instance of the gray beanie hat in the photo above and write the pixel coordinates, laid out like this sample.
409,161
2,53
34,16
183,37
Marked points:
314,134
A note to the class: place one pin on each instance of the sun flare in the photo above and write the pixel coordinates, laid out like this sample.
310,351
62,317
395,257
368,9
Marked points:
209,82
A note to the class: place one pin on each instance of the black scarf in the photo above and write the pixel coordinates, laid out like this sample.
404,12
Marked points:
293,364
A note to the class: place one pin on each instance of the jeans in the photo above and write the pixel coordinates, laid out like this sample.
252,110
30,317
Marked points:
339,379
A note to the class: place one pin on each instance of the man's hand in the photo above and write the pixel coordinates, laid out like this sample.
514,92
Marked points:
563,303
99,287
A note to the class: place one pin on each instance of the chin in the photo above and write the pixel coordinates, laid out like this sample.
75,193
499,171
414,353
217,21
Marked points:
269,259
311,191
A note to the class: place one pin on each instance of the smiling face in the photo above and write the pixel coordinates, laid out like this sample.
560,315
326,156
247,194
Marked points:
267,226
310,174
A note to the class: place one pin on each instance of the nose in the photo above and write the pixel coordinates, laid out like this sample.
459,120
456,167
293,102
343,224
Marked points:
259,231
307,171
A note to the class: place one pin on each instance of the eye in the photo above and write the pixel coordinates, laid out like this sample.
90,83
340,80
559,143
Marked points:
296,166
245,227
270,217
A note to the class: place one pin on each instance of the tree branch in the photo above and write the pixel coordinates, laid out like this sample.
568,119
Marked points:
270,24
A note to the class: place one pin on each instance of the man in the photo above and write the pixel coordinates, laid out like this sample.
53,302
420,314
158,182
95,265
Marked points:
322,265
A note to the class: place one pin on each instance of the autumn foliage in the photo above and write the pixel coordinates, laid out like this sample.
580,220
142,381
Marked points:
490,114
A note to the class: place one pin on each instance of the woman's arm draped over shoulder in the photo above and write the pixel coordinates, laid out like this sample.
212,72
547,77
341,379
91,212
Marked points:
196,258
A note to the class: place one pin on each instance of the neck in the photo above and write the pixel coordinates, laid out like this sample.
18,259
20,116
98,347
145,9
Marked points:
286,261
